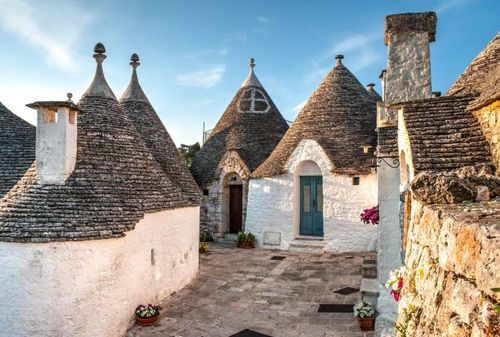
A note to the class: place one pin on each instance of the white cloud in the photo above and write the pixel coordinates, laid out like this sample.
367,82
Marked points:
236,37
358,50
223,51
261,19
204,78
50,26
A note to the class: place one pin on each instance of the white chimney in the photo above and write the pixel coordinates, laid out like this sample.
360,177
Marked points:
56,140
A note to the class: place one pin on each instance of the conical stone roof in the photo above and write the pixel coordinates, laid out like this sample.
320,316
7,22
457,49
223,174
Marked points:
472,81
341,116
251,125
17,148
156,137
116,181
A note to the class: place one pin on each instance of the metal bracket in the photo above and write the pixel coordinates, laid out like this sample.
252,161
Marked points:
387,160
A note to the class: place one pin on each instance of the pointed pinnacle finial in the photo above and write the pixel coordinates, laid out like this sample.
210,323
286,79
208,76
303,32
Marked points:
339,58
251,63
134,60
99,51
370,86
69,95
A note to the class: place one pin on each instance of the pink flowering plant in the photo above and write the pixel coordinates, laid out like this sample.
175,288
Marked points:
147,311
395,282
370,216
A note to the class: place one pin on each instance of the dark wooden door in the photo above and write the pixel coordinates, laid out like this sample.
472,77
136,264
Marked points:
235,208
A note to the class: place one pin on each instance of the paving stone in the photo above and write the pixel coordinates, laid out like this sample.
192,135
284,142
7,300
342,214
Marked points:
244,289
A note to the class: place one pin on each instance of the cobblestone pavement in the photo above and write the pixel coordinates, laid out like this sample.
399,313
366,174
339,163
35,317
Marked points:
241,289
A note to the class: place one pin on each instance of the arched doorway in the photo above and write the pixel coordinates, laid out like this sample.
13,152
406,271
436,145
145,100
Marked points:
308,190
233,203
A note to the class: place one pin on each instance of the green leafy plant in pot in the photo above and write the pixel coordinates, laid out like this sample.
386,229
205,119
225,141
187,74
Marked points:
365,313
246,240
147,314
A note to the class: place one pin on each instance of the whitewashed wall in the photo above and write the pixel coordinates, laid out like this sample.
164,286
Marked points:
273,204
91,288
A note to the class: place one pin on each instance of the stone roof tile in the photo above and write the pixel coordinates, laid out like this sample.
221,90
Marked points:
341,116
17,148
251,125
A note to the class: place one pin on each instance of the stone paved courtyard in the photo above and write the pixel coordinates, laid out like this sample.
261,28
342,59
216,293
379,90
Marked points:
241,289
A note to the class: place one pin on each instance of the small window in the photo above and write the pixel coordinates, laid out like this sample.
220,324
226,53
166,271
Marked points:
355,180
205,192
50,116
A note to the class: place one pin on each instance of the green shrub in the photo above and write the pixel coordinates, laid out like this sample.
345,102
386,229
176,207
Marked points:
206,237
246,240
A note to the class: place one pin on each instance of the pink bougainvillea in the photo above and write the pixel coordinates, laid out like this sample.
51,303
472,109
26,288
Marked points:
370,216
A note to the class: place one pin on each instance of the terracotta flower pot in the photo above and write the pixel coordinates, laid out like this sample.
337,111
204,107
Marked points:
366,323
147,321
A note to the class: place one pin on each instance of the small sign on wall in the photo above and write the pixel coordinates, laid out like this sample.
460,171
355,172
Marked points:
272,238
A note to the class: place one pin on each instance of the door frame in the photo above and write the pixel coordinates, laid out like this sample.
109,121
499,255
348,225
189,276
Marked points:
314,204
240,202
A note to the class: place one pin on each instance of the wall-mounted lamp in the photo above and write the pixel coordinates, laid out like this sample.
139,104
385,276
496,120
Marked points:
366,148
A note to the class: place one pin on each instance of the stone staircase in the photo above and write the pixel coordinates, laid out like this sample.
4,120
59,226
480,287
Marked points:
307,245
369,282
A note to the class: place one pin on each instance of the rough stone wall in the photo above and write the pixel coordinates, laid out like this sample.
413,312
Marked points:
273,204
452,262
214,216
408,74
91,288
489,119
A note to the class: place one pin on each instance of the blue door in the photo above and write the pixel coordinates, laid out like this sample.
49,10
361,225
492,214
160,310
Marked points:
311,205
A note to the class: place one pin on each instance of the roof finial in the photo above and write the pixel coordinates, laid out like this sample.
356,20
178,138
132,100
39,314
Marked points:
370,86
339,58
99,51
251,80
134,61
99,87
69,95
251,63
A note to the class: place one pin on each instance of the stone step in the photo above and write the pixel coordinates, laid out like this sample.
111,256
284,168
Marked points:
369,290
230,237
369,269
310,246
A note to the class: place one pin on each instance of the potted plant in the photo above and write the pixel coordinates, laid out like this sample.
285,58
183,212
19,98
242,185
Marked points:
203,247
147,314
246,240
363,310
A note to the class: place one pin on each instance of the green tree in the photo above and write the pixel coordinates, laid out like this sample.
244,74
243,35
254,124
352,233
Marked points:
188,152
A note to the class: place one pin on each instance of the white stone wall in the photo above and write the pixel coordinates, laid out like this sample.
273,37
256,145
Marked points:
91,288
273,204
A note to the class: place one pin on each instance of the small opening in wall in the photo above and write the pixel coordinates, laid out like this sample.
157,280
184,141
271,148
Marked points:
72,116
355,180
205,193
50,116
153,260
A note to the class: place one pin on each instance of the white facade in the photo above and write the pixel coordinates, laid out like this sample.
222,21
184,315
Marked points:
273,204
91,288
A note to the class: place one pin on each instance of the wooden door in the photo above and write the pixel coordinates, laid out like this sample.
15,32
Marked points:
311,205
235,208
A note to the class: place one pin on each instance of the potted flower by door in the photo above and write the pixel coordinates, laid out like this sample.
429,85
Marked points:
246,240
363,310
147,314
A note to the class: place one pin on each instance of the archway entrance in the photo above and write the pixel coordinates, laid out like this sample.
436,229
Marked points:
308,192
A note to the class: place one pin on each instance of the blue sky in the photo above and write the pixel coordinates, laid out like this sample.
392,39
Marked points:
194,54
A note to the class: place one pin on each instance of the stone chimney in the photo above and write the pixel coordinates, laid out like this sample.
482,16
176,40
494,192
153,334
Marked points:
407,37
56,134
